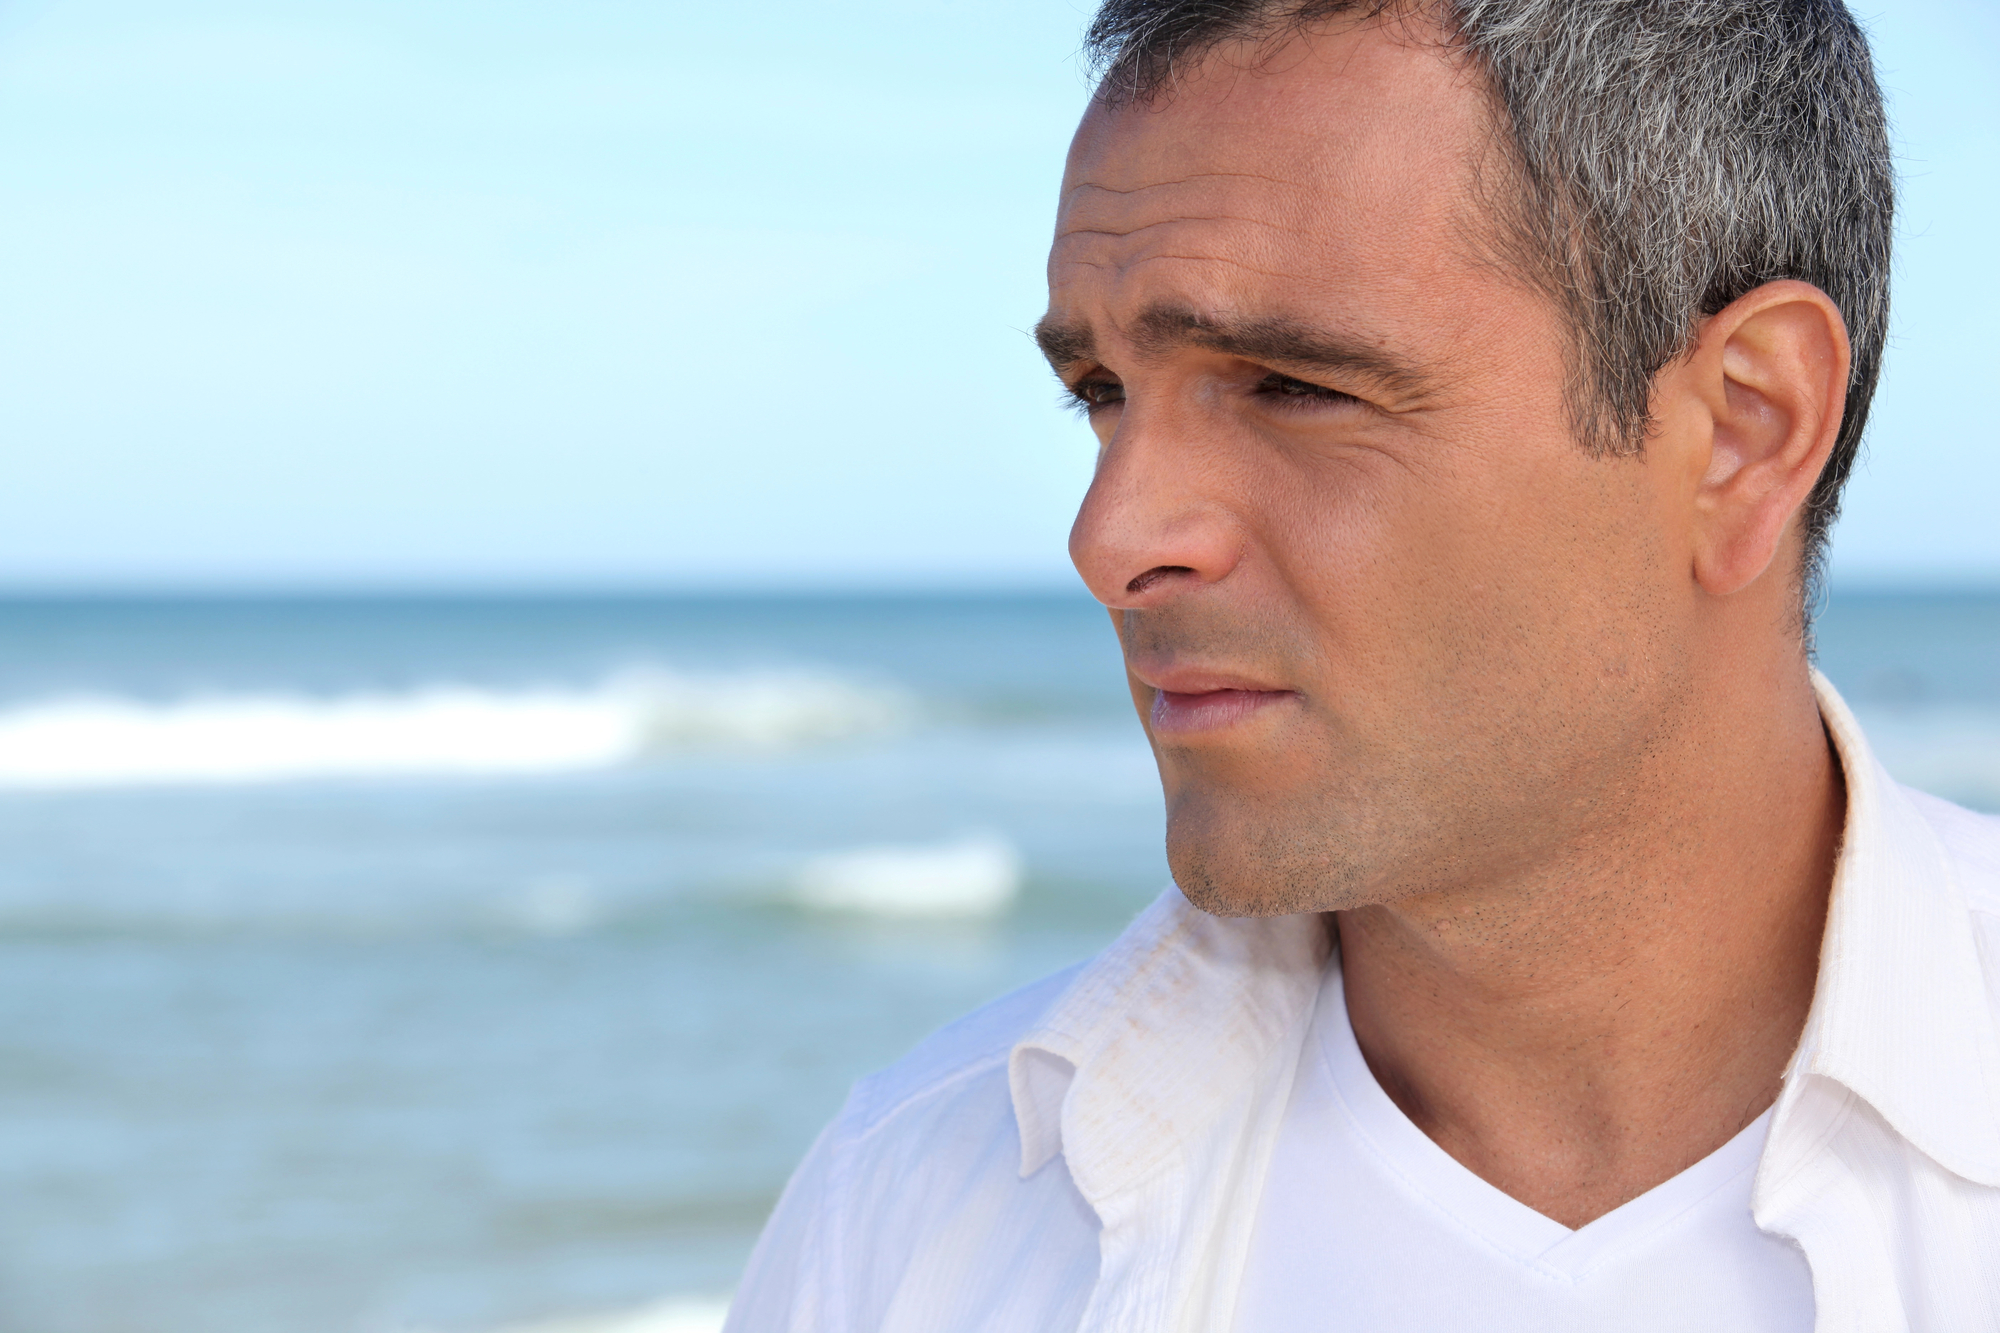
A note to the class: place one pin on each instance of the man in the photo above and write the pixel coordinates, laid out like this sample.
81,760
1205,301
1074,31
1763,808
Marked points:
1474,384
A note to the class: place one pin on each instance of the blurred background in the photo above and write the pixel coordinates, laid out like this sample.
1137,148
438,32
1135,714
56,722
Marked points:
535,643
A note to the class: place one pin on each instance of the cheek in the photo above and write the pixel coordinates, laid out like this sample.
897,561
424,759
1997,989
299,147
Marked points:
1451,580
1378,561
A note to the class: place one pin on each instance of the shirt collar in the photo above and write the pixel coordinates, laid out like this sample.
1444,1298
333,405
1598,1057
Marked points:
1146,1047
1156,1038
1900,1015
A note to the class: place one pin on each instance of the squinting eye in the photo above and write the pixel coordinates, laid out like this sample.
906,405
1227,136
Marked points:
1284,386
1092,394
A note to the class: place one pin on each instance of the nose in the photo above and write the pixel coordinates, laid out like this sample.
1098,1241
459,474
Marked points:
1153,524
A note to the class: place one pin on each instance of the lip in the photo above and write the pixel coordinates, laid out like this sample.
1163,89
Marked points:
1190,710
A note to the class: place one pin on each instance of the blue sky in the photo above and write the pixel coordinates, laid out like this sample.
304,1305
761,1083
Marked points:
350,292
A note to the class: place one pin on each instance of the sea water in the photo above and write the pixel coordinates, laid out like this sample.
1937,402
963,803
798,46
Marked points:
425,964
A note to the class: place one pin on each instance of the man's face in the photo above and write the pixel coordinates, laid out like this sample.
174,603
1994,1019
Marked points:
1390,629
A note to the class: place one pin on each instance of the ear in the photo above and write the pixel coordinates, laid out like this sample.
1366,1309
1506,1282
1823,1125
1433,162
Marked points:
1769,373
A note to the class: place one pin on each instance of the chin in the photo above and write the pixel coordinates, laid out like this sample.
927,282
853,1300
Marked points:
1266,868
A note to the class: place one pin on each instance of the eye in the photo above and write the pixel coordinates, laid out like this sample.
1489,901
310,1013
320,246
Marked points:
1289,390
1094,391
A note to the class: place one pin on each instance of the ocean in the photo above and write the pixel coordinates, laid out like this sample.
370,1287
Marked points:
417,965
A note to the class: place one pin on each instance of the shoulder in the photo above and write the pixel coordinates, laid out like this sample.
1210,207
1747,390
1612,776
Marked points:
916,1188
964,1059
1972,842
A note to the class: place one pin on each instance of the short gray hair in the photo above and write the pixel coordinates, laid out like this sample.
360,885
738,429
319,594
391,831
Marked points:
1669,156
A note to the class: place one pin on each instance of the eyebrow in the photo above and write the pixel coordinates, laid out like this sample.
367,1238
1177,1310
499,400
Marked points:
1064,344
1162,329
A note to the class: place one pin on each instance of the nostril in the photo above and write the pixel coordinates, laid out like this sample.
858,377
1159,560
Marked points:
1154,575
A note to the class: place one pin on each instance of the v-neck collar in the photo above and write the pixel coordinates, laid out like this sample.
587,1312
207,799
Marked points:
1504,1222
1162,1072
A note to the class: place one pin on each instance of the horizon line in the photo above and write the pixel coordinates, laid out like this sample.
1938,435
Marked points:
1970,582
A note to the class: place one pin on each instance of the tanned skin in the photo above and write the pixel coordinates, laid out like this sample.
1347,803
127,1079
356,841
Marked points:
1534,726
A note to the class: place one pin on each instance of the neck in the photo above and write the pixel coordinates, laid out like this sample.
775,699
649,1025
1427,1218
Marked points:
1583,1031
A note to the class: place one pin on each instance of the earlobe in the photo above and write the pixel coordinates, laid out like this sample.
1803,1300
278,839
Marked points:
1772,368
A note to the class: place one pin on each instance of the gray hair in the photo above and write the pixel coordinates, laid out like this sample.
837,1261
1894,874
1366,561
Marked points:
1669,156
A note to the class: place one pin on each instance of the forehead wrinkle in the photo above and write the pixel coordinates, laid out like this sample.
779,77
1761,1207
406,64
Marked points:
1126,265
1115,212
1180,180
1169,222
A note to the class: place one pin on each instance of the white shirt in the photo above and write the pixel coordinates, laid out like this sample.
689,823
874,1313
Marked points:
1090,1153
1413,1242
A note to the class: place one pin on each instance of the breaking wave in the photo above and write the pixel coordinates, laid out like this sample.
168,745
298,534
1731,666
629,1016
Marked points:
975,877
96,741
673,1315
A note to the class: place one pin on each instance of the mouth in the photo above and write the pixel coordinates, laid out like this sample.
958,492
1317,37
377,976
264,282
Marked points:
1187,711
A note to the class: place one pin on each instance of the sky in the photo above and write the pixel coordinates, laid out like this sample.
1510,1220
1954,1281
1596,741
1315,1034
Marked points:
302,294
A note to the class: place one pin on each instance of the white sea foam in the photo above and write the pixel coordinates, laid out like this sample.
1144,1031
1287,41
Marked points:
555,905
975,877
445,729
674,1315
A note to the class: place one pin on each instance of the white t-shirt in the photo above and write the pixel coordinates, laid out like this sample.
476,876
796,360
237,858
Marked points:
1366,1224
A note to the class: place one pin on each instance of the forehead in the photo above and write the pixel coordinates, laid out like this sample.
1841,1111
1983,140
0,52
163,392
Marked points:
1328,182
